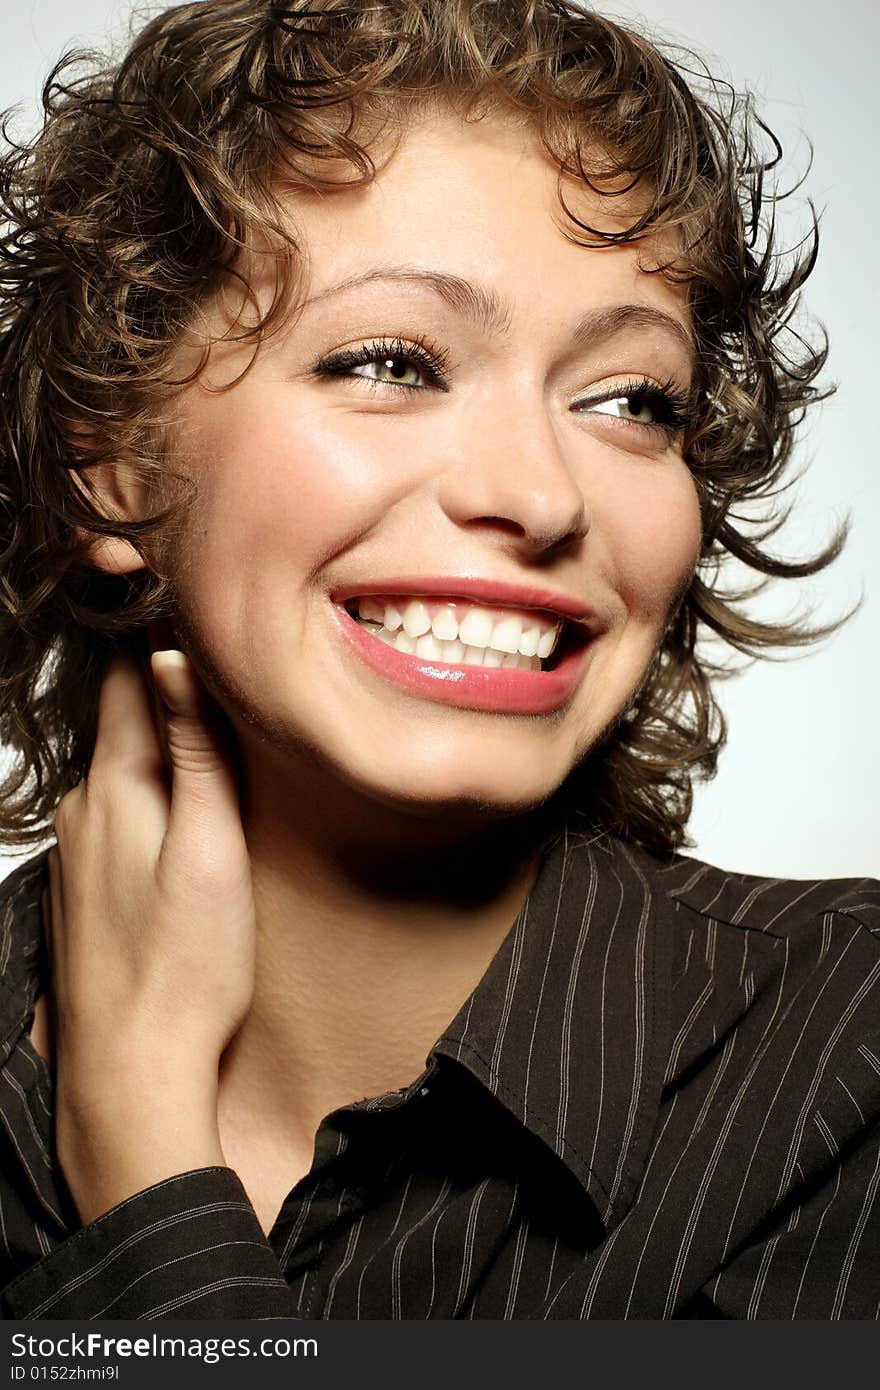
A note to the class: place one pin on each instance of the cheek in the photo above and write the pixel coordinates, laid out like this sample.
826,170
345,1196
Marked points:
286,484
656,542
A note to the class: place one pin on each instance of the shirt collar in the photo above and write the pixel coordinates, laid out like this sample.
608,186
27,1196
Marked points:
568,1026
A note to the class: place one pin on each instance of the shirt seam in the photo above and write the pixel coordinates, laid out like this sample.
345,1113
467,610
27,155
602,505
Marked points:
815,914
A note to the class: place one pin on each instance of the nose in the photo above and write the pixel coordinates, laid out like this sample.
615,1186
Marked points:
511,476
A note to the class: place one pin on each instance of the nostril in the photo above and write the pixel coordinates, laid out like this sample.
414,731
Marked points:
501,523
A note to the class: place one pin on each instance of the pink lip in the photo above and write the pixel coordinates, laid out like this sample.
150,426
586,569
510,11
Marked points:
480,590
496,689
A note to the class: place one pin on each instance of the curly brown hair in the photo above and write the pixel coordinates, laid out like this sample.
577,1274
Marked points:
135,200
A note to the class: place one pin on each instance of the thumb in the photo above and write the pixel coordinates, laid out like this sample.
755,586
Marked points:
176,682
198,746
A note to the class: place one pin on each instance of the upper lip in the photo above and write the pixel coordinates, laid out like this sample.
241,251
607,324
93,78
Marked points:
487,591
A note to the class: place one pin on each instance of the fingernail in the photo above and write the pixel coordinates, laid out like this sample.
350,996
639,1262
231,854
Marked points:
174,677
171,656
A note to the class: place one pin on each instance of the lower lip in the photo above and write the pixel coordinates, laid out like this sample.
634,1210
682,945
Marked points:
497,689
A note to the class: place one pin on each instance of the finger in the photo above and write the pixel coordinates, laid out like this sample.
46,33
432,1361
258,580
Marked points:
126,732
200,749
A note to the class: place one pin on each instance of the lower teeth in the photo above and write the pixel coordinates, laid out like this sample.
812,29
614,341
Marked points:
450,653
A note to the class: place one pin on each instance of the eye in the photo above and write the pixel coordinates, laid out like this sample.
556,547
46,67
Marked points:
642,403
637,408
400,370
408,367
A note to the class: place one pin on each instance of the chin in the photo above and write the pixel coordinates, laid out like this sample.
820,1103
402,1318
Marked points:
426,791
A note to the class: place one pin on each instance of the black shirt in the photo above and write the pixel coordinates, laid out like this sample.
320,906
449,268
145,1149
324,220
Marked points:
661,1100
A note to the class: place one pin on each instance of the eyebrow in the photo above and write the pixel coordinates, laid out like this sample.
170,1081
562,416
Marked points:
485,308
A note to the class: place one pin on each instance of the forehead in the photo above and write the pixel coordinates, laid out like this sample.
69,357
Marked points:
480,200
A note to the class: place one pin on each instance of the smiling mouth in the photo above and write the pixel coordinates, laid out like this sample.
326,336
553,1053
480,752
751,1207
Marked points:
460,632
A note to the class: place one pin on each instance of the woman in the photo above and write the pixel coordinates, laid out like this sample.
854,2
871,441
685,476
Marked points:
392,373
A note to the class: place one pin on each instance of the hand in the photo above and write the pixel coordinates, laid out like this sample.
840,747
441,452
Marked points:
151,937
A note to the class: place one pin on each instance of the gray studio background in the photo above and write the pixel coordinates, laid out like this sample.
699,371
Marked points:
796,793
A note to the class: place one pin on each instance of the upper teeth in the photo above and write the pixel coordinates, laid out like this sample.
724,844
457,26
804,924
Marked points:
508,631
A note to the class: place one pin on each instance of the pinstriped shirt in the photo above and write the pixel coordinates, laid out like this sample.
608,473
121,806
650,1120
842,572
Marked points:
660,1101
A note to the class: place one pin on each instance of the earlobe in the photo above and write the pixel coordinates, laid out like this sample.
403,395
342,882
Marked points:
110,553
118,498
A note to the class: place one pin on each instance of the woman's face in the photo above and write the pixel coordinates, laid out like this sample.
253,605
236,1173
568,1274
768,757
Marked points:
469,411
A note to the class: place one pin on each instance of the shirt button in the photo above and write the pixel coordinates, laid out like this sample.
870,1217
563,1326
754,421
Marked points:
424,1090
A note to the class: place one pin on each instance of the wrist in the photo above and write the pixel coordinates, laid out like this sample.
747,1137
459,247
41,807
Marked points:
108,1155
126,1127
133,1071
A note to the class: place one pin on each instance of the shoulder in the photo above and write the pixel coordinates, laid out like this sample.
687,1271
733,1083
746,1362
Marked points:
21,945
20,891
691,891
795,962
793,959
824,933
749,902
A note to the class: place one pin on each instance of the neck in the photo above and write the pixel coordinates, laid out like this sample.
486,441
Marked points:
373,928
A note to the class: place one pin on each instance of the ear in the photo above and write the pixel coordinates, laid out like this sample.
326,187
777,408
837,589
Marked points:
119,497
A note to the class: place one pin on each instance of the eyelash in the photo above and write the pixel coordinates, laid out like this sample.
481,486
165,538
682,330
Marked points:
671,406
431,359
